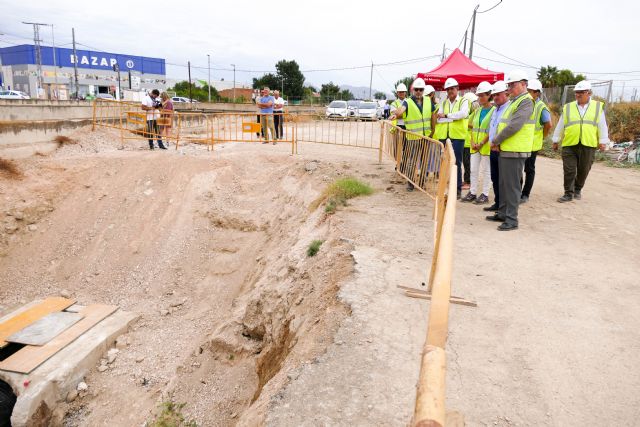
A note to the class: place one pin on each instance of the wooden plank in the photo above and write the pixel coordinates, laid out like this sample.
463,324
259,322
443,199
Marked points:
452,300
47,328
30,357
27,317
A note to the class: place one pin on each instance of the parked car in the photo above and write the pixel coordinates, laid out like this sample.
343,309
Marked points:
105,96
337,109
13,94
181,99
367,111
353,107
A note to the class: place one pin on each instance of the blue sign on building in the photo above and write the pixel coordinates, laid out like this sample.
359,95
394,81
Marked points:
26,54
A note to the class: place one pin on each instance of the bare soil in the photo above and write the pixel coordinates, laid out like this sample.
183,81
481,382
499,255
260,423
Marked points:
238,323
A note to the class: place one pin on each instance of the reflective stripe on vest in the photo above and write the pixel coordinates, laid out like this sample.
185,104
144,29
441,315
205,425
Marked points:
522,140
456,129
416,121
581,129
481,130
538,135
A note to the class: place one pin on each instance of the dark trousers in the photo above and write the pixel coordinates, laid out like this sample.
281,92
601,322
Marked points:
466,162
278,120
529,173
494,161
153,132
458,149
261,132
510,188
576,163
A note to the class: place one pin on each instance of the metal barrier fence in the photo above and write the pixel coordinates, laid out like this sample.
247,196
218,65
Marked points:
248,127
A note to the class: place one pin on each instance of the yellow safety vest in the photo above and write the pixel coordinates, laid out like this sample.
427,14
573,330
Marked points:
584,129
416,121
538,134
396,104
522,140
481,130
467,140
458,129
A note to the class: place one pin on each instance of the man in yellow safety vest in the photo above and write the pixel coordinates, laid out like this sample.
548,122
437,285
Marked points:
582,128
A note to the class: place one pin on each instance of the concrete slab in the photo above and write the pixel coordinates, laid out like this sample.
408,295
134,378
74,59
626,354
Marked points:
40,391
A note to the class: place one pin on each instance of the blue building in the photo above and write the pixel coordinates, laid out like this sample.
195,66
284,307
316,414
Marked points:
19,71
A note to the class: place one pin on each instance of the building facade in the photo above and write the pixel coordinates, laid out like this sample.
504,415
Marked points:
19,70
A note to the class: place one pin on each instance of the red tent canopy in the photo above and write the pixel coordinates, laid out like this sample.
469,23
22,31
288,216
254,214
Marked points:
460,67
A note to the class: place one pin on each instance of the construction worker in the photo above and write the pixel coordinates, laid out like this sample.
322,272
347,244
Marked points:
479,145
401,94
472,98
542,118
453,122
416,112
582,128
501,102
514,142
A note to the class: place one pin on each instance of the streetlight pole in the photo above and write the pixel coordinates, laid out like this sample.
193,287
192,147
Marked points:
55,68
1,74
234,82
209,81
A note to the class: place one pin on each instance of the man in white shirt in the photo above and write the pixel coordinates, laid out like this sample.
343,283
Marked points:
278,114
151,105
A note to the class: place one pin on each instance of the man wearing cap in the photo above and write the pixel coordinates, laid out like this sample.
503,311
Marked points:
501,102
542,119
416,112
582,128
514,142
453,122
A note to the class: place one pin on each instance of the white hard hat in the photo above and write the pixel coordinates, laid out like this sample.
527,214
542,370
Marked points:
516,76
418,83
428,90
583,85
534,85
451,82
499,86
401,88
483,87
472,97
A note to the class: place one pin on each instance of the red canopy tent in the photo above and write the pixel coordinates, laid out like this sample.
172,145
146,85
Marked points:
460,67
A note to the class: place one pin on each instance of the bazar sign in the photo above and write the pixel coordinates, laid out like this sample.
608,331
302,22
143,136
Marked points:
97,61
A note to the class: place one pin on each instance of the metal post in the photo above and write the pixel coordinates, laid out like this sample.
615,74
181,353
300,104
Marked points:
464,49
371,80
55,66
129,79
1,74
36,41
443,50
75,62
190,98
209,81
234,82
473,31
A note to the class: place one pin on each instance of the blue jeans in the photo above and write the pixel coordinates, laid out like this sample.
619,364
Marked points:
458,149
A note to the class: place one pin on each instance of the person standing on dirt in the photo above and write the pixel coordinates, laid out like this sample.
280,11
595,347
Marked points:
266,103
501,102
582,128
151,104
166,115
278,114
542,118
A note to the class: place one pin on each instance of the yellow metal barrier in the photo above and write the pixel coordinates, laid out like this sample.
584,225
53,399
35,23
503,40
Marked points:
247,127
347,132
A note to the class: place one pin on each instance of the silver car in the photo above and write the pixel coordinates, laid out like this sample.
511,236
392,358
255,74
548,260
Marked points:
13,94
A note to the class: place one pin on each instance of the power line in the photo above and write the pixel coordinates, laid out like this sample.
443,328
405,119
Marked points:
491,8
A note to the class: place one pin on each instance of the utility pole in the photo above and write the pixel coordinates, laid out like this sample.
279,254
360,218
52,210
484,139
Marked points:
116,68
443,49
36,42
190,98
1,74
473,31
75,62
371,80
234,82
209,81
55,66
464,49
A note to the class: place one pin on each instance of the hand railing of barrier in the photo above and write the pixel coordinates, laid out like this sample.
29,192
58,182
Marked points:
254,127
350,132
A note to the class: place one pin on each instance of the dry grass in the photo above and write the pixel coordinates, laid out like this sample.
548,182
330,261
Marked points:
64,140
339,192
624,121
9,169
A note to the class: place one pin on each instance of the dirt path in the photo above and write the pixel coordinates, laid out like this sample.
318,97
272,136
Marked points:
236,321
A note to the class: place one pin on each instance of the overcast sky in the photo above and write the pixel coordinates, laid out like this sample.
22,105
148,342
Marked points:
585,36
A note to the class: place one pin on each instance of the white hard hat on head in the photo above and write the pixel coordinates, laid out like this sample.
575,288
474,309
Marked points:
483,87
534,85
428,90
516,76
401,88
451,82
499,86
472,97
583,85
418,83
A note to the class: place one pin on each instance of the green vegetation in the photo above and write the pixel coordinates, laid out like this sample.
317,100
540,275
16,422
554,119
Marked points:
330,91
199,93
314,247
339,192
288,78
552,77
624,121
171,416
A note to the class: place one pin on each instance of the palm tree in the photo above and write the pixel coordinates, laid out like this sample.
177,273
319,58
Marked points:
548,76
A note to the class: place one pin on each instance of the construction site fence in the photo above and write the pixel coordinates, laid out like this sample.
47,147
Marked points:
254,127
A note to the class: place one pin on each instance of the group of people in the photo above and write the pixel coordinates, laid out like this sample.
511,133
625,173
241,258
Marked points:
271,117
498,135
159,116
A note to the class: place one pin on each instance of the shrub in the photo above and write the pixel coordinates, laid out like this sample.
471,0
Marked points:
339,192
314,247
10,169
171,416
624,121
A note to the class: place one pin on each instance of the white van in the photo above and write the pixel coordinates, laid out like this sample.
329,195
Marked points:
337,109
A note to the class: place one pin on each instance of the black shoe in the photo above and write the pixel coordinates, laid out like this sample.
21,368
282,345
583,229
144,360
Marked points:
565,198
469,198
577,195
495,218
150,146
524,199
507,227
459,195
492,208
162,147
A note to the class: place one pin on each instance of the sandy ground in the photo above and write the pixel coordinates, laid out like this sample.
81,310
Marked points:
238,323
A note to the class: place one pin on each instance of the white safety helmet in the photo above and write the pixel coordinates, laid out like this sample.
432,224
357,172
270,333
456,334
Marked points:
516,76
534,85
499,86
428,90
451,82
401,88
583,85
418,83
483,87
470,96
